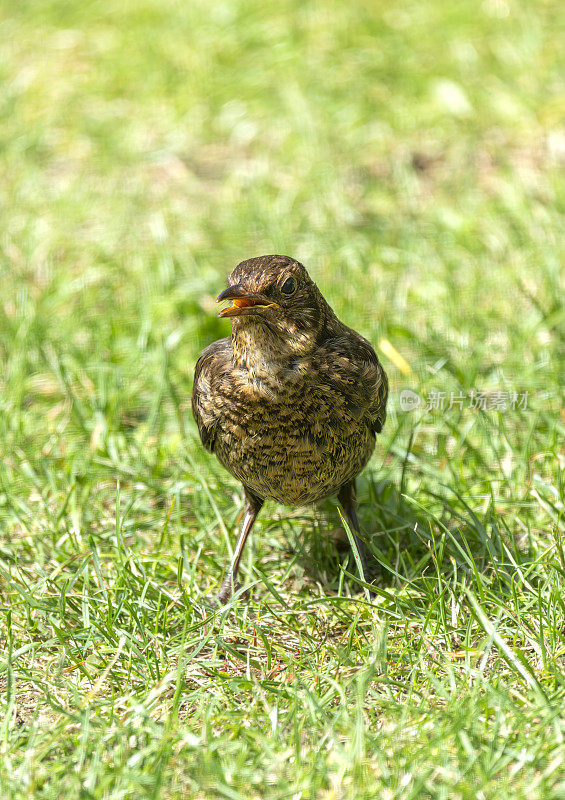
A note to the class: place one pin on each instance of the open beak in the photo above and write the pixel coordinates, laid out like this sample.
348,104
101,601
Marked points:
243,302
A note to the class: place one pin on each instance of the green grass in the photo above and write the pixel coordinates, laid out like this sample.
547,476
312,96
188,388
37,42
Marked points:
411,155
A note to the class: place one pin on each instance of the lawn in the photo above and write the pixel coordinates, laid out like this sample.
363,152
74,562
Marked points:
412,156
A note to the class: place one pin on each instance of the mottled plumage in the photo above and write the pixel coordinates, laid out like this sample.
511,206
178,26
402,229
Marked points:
291,403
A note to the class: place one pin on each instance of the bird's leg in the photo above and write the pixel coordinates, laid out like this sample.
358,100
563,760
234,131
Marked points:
348,501
253,505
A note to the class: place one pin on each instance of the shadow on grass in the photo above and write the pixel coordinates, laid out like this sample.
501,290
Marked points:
409,542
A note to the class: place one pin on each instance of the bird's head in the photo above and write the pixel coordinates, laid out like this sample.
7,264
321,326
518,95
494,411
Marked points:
275,304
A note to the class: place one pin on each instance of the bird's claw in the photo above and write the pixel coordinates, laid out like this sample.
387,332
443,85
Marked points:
227,590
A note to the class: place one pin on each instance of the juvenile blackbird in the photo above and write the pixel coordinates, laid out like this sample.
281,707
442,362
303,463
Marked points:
291,402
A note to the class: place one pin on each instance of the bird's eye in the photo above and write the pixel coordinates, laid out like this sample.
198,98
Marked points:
289,286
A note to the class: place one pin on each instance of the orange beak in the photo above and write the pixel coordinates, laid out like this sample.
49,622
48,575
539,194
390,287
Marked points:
242,301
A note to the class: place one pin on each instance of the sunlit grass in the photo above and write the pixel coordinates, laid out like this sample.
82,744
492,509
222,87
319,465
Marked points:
412,157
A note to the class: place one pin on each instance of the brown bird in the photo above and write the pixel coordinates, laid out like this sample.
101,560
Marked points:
291,402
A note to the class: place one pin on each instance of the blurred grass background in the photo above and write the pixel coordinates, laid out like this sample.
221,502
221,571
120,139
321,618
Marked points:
412,156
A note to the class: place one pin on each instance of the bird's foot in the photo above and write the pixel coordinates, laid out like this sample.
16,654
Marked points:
227,590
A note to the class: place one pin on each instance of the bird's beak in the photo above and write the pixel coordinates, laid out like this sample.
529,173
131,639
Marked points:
244,302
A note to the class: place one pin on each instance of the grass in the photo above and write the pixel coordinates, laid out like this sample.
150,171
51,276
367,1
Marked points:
411,155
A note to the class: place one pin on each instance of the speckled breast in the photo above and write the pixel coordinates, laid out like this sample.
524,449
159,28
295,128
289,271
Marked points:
295,448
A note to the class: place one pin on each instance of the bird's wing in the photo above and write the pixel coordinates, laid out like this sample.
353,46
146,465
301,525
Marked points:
355,372
205,408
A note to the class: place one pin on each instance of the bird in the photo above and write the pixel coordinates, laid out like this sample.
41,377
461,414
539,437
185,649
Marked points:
291,402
